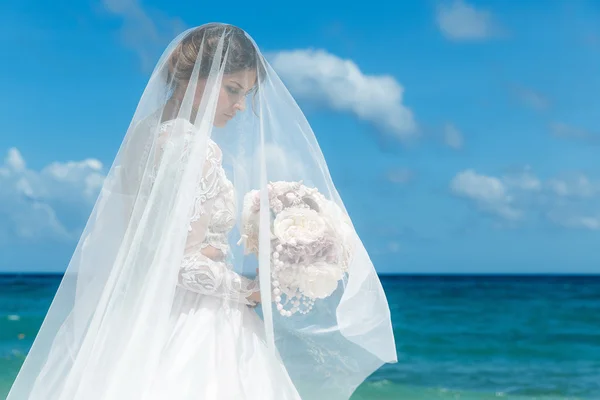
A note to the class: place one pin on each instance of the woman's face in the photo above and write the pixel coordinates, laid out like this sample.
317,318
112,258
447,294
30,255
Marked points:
232,96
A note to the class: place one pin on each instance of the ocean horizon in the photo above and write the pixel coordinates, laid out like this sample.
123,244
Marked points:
458,336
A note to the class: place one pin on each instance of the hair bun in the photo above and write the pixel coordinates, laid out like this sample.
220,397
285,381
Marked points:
241,52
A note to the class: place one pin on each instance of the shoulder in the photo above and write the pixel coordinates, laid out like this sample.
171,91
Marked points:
181,126
214,151
177,126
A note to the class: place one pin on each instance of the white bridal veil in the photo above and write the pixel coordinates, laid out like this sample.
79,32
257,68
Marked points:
323,309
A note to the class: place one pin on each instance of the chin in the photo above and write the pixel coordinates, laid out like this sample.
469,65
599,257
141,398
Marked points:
219,124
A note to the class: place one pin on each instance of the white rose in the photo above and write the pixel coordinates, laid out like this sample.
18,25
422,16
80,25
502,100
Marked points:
319,280
299,226
287,279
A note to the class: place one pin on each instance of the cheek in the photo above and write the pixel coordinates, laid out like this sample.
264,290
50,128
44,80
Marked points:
222,102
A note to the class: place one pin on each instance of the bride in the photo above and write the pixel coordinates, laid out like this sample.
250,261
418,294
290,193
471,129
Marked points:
218,262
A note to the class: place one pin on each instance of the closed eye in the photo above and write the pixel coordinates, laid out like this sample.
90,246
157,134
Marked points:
233,90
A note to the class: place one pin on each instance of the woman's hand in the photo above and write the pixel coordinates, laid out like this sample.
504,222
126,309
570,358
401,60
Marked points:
254,297
213,253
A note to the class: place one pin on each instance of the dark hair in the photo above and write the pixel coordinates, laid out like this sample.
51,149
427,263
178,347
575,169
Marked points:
241,52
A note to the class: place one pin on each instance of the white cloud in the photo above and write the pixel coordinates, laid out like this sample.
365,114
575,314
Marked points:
532,98
394,247
488,192
524,180
143,30
565,131
460,21
283,164
400,175
569,202
42,204
576,186
340,84
452,137
14,160
577,222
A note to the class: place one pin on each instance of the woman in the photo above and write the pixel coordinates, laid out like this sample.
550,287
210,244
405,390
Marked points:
159,301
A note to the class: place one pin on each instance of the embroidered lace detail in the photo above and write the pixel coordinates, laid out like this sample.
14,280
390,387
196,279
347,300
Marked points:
203,275
208,187
217,241
211,219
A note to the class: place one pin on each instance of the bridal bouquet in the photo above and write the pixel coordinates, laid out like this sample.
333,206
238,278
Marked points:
311,239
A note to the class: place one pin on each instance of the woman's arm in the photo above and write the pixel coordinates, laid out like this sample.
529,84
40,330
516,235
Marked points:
200,274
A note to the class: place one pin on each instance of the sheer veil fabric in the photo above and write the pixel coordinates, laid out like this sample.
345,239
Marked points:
160,297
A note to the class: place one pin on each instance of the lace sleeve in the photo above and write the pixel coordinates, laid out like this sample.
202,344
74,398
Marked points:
203,275
199,272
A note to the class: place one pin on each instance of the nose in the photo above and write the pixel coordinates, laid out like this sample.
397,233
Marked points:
240,105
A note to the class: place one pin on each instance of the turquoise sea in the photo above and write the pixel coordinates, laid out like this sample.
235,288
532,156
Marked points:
458,337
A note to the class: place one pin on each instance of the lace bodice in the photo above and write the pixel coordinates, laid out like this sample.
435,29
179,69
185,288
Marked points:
205,268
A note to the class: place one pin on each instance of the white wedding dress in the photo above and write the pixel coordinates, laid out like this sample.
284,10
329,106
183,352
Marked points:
216,350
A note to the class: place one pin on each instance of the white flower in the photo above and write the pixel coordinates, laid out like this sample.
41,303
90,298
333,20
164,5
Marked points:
344,231
288,281
253,201
312,242
319,280
299,226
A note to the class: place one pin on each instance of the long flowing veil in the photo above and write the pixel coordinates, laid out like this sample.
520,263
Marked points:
323,309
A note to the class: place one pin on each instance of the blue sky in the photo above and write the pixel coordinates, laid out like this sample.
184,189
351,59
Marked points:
500,173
